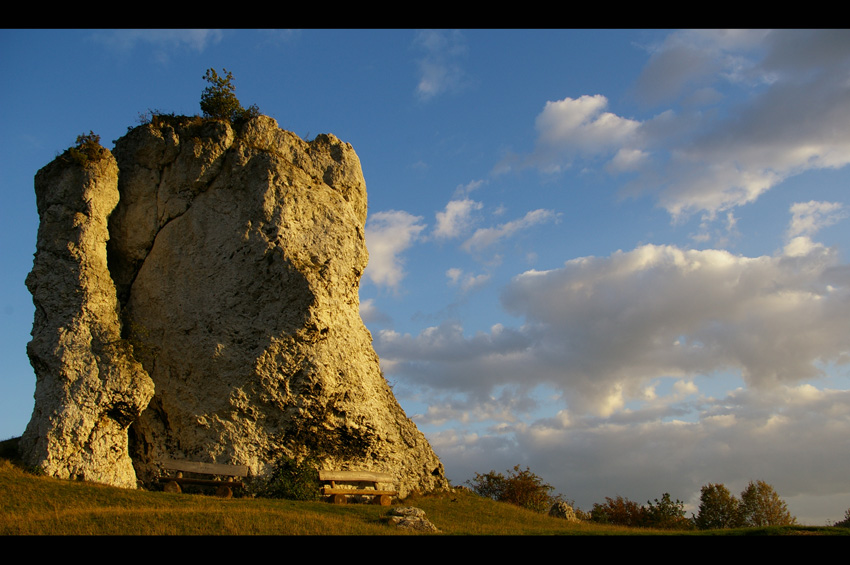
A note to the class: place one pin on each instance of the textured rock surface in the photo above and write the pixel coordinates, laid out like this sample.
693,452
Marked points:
411,518
89,388
237,260
563,510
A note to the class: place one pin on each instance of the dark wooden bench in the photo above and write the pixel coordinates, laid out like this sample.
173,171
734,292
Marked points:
361,479
224,488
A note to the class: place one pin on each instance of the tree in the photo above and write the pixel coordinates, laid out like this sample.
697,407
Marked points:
620,511
219,99
489,485
718,508
666,514
845,523
761,506
521,487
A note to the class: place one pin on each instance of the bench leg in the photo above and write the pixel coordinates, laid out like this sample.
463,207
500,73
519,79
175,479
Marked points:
382,499
338,499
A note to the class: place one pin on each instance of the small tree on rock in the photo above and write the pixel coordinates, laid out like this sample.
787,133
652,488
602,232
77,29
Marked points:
219,99
87,149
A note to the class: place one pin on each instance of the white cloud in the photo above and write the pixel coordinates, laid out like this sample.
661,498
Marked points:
622,318
580,127
456,218
601,329
439,69
809,217
786,110
388,234
485,237
463,190
627,160
466,281
195,39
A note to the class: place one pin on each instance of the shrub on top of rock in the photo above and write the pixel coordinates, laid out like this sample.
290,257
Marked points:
219,99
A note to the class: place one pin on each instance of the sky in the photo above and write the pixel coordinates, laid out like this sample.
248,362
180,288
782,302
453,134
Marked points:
616,257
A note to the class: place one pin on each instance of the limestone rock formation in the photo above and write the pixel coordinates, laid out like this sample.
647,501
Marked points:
563,510
411,518
89,387
236,258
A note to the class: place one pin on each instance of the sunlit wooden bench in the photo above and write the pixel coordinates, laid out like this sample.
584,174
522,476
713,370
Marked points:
233,476
361,479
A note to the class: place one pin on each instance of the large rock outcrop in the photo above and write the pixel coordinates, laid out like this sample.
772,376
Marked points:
89,387
236,259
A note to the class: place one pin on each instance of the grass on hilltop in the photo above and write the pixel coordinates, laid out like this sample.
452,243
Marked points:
33,504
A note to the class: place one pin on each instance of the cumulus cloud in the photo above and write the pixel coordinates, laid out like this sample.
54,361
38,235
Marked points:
809,217
574,129
485,237
787,111
582,125
440,70
388,235
600,329
614,322
456,218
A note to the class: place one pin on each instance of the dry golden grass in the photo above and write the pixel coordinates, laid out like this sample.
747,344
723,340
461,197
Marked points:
33,505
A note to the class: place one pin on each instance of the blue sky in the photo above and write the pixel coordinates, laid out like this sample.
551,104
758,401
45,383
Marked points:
616,257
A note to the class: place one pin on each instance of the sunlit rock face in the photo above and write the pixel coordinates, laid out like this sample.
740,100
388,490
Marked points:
89,386
236,258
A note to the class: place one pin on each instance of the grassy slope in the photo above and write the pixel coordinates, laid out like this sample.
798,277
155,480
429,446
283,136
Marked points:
41,505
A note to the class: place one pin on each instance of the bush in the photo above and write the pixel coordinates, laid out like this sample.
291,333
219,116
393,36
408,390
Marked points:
219,99
521,488
845,523
667,515
291,480
87,148
619,511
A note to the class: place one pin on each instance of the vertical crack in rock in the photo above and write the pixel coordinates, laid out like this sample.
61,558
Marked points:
236,261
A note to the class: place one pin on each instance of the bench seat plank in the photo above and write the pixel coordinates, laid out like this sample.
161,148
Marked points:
355,476
340,495
208,482
206,468
327,490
